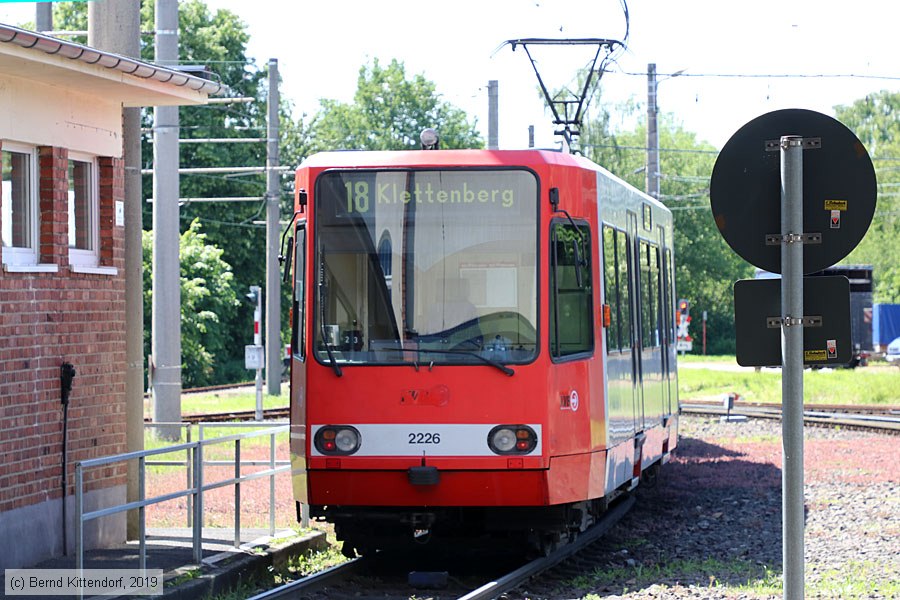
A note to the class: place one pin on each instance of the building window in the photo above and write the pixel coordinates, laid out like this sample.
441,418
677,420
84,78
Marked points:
19,200
83,206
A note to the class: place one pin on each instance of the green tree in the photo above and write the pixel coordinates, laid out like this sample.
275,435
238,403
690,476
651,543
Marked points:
705,266
217,40
208,298
876,121
388,112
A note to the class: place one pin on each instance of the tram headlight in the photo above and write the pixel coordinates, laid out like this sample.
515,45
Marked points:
347,440
512,439
337,439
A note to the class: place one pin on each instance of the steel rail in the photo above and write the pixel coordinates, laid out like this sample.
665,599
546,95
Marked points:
315,581
878,423
522,574
845,408
236,415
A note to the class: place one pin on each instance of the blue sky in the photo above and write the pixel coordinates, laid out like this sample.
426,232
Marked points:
320,47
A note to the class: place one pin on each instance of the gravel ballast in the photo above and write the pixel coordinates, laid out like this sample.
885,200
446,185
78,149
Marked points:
711,527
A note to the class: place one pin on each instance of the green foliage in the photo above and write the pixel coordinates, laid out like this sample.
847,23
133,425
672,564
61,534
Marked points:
218,40
388,112
876,121
207,299
705,267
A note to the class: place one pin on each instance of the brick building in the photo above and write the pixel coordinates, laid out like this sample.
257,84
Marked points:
62,282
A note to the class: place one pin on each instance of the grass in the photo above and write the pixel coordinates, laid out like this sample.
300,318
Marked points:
866,385
225,401
853,580
709,358
295,568
711,572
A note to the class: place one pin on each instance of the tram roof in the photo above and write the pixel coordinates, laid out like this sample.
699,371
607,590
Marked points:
398,159
443,158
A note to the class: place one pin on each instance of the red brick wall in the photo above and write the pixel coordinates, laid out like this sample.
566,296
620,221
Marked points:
47,319
53,182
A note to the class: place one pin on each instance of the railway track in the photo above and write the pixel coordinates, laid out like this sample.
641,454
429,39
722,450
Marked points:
885,419
330,583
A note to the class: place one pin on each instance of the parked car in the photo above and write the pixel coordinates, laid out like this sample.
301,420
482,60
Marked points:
893,352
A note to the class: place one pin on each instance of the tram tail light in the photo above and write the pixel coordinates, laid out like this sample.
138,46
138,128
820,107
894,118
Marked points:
337,440
607,315
512,439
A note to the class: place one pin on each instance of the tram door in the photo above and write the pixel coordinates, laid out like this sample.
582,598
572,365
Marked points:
634,277
667,326
651,364
620,363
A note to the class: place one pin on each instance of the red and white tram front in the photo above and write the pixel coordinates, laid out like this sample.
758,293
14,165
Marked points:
444,334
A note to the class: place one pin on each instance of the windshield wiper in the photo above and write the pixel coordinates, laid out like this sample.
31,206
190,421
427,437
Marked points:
323,298
500,366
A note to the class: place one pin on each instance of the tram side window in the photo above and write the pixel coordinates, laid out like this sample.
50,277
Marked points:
615,269
668,310
650,290
624,270
610,287
571,315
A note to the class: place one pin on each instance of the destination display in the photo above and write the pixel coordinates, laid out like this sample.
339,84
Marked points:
362,192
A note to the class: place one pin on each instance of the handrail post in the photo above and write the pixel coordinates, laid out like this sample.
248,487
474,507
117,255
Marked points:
79,511
79,525
272,484
237,493
187,461
142,513
198,502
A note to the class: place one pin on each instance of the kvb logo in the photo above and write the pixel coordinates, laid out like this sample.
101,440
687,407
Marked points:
569,402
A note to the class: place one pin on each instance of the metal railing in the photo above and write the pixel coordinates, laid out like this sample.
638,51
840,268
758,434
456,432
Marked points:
195,487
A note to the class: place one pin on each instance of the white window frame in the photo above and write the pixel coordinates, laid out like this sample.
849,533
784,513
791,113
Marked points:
79,257
24,256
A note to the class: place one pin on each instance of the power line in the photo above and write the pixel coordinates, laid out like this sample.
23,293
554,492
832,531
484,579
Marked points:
712,152
644,149
766,75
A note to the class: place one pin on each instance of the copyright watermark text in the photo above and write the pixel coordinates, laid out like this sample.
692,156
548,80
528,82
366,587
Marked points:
88,582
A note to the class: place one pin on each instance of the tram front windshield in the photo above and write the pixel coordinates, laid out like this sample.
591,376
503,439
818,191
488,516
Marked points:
425,266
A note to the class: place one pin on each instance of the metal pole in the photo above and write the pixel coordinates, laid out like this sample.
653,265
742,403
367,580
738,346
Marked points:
531,136
273,211
43,20
79,522
272,485
190,477
652,178
493,116
198,500
792,364
237,493
166,334
142,534
257,341
115,25
704,333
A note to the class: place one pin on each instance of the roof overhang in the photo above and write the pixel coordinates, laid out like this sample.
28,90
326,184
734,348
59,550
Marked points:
55,62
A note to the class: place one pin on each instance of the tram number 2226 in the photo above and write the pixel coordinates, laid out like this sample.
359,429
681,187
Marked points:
424,438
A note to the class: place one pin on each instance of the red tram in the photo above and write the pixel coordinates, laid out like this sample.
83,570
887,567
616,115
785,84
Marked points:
483,344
